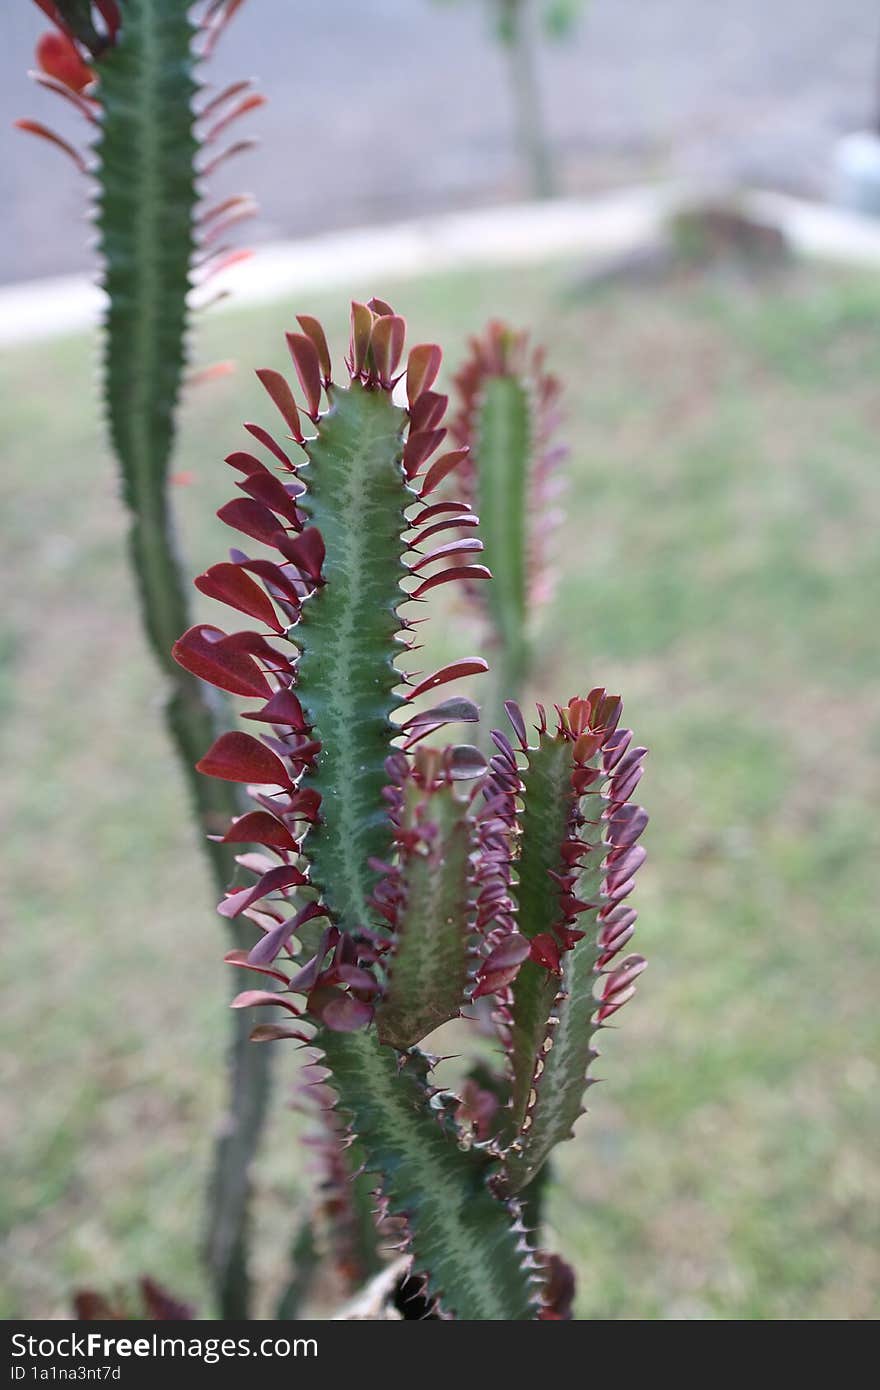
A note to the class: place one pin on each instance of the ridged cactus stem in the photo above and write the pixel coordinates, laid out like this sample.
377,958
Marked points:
131,71
384,896
507,412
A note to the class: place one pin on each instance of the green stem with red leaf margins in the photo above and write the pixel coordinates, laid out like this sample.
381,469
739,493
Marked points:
131,71
507,410
384,888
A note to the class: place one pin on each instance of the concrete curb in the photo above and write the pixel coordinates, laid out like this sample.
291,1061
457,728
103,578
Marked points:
596,229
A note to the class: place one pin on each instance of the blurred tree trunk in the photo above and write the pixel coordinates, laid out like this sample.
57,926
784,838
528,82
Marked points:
518,30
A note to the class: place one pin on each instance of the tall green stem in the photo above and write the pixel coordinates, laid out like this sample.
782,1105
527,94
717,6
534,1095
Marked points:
147,202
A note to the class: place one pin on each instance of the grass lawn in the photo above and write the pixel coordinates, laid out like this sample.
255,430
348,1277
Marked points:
721,567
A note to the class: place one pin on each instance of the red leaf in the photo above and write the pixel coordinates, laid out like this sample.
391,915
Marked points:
345,1014
313,330
199,652
306,551
514,714
261,998
465,762
269,946
419,446
455,709
468,545
266,439
467,666
37,128
279,389
619,986
59,57
446,577
440,469
273,576
231,585
259,828
428,411
241,108
501,966
308,369
544,951
283,708
388,337
422,368
252,518
273,494
273,1032
237,757
245,463
438,508
361,332
240,959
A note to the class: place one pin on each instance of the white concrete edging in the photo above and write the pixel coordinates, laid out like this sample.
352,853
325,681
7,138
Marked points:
595,229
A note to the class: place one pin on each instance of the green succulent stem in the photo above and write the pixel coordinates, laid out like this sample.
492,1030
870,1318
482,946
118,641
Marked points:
346,677
463,1237
503,448
461,1234
147,200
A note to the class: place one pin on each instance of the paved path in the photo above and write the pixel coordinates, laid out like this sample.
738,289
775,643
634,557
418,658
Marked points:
390,108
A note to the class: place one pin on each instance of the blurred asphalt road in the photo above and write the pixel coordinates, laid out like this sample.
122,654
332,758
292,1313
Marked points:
390,108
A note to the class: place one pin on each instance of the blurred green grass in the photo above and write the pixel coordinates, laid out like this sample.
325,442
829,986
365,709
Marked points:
720,565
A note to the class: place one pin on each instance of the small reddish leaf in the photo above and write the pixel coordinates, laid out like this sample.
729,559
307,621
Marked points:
465,762
241,108
388,337
263,487
202,651
422,368
501,966
456,670
240,960
306,551
357,978
467,545
428,411
420,446
313,330
514,714
544,951
252,518
346,1014
37,128
440,469
278,388
447,576
269,946
283,708
260,828
58,56
457,709
231,585
245,463
275,880
361,332
271,444
262,998
308,370
238,757
273,1032
273,577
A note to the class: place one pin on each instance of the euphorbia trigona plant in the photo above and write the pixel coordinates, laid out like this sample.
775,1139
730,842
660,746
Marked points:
395,883
131,70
